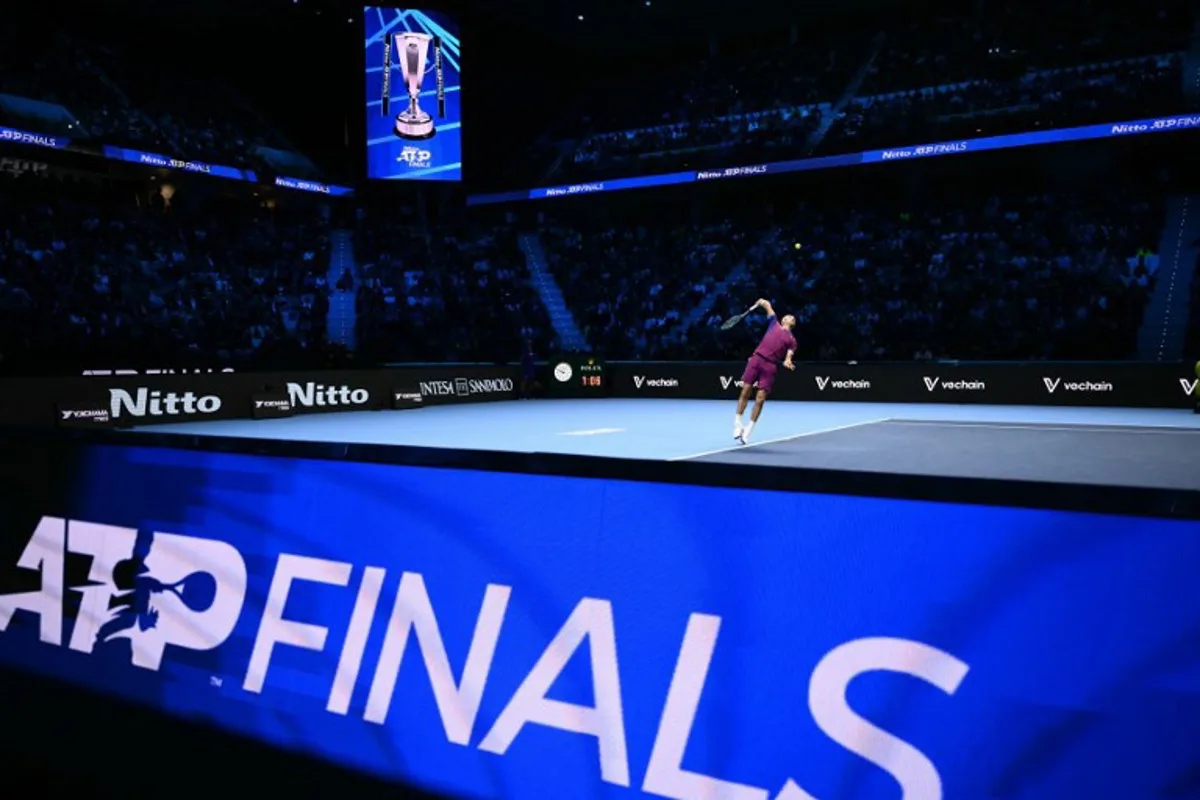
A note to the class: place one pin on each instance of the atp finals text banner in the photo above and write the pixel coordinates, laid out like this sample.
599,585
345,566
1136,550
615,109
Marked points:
901,153
528,636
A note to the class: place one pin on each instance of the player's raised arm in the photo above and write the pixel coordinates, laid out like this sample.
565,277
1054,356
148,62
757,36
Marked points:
766,305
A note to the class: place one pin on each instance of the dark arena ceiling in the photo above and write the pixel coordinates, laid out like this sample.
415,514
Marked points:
611,25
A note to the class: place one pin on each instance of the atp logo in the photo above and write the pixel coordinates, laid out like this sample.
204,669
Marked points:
154,590
415,157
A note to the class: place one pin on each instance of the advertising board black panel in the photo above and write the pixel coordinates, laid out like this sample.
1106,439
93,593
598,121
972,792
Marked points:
1038,384
138,400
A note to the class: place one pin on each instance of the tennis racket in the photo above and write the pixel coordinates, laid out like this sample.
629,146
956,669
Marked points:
736,318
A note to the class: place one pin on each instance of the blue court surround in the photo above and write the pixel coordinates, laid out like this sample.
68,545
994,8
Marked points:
1048,654
642,429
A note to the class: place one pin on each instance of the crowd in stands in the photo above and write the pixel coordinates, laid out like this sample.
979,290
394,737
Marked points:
1191,350
630,285
94,276
1097,93
444,292
988,69
1012,278
173,109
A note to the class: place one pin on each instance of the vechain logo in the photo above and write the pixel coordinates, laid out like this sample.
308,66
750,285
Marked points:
1053,384
315,395
727,381
151,402
563,372
954,386
844,385
1189,387
641,381
165,593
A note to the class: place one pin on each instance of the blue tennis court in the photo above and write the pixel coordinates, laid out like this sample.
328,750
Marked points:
1104,446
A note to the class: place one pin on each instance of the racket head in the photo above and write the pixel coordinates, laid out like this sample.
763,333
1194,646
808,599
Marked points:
732,322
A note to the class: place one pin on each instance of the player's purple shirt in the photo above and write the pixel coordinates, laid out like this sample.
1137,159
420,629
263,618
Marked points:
776,343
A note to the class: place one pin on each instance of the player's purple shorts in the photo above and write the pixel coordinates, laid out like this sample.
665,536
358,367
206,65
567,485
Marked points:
759,373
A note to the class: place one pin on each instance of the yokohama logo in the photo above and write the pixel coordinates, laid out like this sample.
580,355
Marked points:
955,386
1053,384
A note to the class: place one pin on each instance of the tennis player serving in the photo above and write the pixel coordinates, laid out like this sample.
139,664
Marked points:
777,347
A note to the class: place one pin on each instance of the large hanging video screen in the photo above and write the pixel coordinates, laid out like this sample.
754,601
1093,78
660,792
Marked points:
414,98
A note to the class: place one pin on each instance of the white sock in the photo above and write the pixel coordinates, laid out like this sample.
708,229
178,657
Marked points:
746,432
737,421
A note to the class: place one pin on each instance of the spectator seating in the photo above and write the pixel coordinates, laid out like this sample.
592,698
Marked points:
981,70
444,293
1013,278
629,284
98,94
1016,277
93,277
1191,350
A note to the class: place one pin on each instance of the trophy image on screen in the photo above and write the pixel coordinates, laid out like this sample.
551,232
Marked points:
412,51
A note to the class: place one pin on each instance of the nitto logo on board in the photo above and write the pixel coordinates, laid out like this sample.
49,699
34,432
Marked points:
153,403
315,395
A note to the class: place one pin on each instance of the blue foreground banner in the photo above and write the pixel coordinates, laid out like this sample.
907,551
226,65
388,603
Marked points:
496,635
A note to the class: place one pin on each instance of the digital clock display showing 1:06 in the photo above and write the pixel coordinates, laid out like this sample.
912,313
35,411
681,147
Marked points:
591,381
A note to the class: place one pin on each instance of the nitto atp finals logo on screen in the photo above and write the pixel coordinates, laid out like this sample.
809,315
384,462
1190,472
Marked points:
413,86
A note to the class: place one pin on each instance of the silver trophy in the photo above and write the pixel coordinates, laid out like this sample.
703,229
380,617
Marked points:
412,50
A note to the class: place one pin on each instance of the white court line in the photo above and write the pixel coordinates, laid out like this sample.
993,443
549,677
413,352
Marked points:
781,439
1080,428
595,432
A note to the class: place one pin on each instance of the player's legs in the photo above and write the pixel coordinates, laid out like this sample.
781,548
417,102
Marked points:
760,400
766,381
749,379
